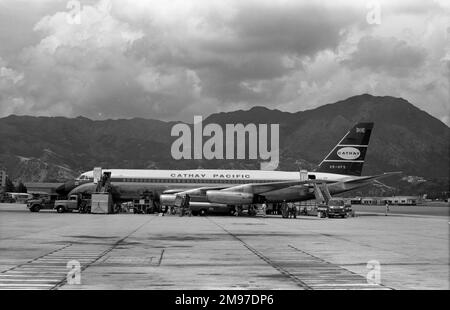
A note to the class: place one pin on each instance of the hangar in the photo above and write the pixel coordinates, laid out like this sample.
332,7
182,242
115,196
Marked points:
395,200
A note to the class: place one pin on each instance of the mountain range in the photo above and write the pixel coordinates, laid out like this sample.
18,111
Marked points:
404,138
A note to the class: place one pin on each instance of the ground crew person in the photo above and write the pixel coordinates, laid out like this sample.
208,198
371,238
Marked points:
239,208
264,208
291,212
185,208
251,210
184,200
284,209
387,208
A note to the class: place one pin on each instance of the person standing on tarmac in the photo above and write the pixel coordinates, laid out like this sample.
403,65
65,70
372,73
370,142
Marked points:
284,209
387,208
186,207
291,210
264,208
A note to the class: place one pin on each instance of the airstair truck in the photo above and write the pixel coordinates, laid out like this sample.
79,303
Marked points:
101,200
338,207
328,206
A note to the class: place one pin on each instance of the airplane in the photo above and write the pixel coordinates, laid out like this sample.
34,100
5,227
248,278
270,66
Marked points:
340,171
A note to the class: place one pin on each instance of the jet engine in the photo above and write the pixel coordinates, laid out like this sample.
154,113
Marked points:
232,198
167,199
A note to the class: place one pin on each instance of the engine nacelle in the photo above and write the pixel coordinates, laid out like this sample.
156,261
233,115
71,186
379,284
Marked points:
167,199
230,198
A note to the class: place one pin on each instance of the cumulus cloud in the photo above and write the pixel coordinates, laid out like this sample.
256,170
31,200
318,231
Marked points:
10,74
390,55
170,60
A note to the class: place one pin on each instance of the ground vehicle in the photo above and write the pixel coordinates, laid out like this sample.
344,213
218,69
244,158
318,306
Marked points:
199,209
5,198
336,207
141,206
75,202
146,203
42,202
17,197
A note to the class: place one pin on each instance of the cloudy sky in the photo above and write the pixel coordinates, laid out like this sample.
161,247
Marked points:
173,59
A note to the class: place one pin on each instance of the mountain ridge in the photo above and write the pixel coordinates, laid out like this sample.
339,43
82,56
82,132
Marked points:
404,138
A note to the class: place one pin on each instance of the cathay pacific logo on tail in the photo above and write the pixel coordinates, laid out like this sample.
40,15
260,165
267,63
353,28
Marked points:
348,153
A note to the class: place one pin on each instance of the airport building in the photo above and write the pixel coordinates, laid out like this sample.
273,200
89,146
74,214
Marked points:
395,200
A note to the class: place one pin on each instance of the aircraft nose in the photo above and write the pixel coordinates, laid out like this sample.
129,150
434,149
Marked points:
65,188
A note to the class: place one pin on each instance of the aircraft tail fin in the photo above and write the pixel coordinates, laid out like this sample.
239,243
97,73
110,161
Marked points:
347,157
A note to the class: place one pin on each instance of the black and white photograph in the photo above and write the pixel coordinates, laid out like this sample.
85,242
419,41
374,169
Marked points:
222,151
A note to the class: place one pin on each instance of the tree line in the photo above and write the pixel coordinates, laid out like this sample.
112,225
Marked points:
11,188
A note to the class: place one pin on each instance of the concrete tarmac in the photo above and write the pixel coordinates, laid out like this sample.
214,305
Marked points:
127,251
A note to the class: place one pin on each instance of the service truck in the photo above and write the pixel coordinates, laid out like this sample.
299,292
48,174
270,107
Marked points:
74,202
336,207
46,202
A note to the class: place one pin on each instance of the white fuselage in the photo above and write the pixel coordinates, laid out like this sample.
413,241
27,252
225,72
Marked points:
215,175
131,181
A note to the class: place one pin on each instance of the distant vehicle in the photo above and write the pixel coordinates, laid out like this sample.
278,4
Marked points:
336,207
17,197
75,202
43,202
356,201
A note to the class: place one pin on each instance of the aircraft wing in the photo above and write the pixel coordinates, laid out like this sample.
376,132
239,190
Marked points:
251,188
193,191
353,183
260,188
373,177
